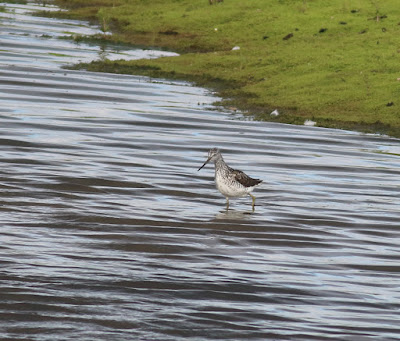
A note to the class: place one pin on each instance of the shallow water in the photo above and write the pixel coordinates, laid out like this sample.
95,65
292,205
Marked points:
108,232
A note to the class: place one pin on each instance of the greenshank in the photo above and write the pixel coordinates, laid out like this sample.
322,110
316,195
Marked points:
230,182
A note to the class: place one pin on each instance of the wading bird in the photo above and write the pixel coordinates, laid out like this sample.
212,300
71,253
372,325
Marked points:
230,182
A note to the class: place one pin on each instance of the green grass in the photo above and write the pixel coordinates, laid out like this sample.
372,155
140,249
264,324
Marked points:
339,67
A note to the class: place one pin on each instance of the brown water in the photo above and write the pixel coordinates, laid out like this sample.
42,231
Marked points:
108,232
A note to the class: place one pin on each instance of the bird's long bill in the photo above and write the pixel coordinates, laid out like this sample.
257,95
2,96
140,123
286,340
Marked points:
204,163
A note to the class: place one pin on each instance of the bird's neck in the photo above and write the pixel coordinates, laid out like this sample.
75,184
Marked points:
220,164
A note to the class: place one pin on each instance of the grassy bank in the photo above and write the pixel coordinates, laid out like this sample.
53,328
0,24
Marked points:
336,62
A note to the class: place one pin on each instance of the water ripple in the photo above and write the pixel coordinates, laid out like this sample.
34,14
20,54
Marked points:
109,232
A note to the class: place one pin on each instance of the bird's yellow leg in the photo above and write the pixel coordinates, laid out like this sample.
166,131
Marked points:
253,198
227,203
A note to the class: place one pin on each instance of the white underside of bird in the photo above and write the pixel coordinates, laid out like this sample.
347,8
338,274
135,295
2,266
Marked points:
230,187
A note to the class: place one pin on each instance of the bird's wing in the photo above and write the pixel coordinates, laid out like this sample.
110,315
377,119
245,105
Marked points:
244,179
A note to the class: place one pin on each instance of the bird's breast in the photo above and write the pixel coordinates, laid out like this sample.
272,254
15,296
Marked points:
228,186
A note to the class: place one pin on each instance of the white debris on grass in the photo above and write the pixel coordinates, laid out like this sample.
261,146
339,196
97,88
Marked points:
275,113
309,123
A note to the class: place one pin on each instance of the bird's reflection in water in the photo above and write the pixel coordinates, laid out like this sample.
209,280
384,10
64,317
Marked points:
233,215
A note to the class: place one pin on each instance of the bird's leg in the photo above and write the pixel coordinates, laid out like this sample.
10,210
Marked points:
253,201
227,203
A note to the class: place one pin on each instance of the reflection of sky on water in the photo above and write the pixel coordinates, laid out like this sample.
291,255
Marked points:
23,44
390,149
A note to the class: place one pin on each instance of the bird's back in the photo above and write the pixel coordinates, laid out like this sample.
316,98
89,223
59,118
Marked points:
244,179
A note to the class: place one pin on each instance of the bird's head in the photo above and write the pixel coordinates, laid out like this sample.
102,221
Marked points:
213,154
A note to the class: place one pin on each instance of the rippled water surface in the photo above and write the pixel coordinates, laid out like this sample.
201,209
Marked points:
109,232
